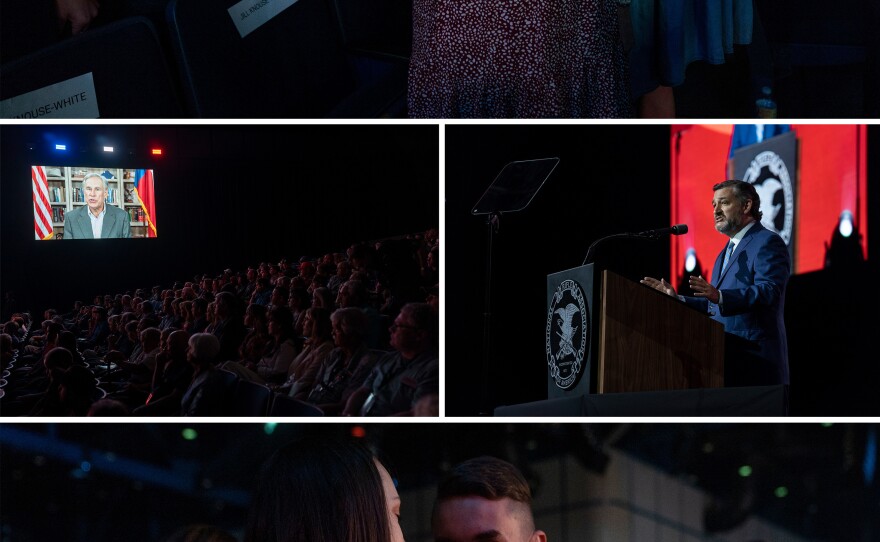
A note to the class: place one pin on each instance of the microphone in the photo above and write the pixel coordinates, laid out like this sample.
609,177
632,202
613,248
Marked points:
678,229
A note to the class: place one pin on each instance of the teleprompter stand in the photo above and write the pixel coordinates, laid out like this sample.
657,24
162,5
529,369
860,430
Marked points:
512,190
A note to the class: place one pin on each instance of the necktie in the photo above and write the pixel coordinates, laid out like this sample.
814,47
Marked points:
727,254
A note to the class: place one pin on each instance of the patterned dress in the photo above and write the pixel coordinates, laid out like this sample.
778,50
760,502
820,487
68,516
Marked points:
517,59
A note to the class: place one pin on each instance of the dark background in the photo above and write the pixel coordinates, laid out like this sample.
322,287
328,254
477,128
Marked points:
612,179
227,196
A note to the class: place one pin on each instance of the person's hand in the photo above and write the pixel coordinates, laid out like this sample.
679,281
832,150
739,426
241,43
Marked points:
79,13
702,288
659,285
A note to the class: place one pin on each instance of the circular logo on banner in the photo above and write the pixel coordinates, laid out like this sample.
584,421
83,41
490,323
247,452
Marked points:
768,174
566,337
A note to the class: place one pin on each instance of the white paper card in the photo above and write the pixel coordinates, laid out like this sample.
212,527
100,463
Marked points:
71,99
248,15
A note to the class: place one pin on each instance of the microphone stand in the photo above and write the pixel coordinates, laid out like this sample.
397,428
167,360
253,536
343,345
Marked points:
648,235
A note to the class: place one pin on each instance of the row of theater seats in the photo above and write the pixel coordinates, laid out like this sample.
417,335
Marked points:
242,397
248,398
6,375
314,59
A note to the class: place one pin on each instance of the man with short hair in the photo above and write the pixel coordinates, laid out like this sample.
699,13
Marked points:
407,374
484,499
96,219
747,290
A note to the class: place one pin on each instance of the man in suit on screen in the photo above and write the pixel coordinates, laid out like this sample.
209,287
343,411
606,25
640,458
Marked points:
97,219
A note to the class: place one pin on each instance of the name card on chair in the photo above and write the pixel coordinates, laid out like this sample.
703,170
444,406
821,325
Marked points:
248,15
71,99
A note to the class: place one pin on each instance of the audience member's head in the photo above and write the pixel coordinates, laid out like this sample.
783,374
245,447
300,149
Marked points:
5,350
323,297
317,324
255,316
67,339
108,408
415,329
99,313
11,328
349,327
77,390
279,296
483,496
203,348
298,299
150,338
352,294
57,361
227,306
327,490
280,322
178,343
199,307
131,329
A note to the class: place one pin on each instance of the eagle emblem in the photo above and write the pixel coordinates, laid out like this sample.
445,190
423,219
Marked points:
566,334
769,175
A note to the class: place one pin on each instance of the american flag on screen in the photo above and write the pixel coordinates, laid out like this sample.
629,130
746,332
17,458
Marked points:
145,190
42,209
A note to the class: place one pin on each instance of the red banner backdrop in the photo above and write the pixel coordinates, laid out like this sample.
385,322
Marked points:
832,177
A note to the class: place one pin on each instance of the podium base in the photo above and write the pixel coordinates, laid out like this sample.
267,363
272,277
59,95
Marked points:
723,402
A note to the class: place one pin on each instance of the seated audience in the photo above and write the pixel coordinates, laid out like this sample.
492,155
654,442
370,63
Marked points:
154,368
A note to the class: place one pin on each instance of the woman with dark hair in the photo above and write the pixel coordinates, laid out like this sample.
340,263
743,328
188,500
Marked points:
280,352
298,301
320,489
254,344
317,348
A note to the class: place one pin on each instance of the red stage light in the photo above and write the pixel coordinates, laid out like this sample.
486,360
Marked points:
157,152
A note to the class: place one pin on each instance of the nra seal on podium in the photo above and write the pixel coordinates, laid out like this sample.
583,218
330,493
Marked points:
566,337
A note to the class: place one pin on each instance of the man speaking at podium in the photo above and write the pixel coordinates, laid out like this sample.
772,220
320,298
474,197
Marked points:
747,291
96,219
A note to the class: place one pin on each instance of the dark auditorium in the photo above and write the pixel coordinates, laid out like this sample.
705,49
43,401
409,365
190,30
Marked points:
220,270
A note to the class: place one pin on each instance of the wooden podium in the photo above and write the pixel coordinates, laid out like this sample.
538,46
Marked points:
649,341
638,339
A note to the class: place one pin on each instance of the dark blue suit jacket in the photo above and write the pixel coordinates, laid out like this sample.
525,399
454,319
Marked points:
753,295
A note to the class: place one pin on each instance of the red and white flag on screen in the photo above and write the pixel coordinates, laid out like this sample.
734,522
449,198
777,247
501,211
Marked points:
42,209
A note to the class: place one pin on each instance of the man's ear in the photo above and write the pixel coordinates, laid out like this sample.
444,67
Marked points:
747,208
538,536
